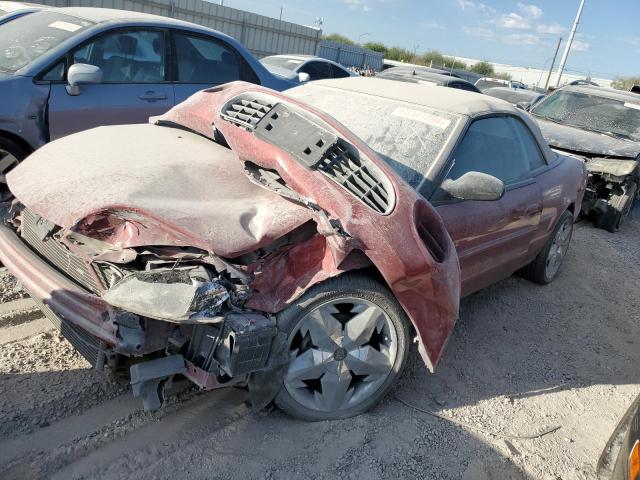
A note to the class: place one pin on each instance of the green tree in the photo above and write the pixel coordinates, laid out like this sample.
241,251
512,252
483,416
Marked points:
503,76
376,47
437,60
483,68
625,83
336,37
399,54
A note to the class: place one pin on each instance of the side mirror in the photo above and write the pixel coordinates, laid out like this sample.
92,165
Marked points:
80,73
523,106
475,186
303,77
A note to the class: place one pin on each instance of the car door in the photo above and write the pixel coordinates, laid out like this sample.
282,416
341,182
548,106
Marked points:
203,62
316,70
493,238
134,83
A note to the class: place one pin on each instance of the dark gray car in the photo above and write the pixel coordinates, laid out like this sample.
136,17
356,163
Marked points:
71,69
427,78
603,126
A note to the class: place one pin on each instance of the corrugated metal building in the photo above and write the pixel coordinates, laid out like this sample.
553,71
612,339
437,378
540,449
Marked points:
350,55
261,35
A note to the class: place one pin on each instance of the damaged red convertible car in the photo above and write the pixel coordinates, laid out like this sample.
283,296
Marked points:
293,244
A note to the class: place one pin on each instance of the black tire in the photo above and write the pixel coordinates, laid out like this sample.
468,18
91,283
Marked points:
349,285
620,207
17,154
536,271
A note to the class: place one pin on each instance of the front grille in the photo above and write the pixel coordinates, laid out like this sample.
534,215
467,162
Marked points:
55,253
363,181
246,112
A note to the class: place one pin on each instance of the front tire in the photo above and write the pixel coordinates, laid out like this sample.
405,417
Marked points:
545,267
348,342
10,155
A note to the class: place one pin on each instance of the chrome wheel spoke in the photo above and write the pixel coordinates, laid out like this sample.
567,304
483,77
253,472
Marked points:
368,361
324,329
308,366
335,387
360,328
6,161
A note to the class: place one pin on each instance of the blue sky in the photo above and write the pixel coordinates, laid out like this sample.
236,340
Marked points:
506,31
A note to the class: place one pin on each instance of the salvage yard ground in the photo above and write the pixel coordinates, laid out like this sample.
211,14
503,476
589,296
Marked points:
523,360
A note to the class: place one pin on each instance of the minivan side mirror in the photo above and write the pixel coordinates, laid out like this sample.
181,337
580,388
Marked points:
475,186
80,73
303,77
523,106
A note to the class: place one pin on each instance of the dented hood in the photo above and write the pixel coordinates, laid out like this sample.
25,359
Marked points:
588,143
179,188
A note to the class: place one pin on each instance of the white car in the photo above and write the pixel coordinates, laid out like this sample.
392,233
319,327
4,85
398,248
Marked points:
305,67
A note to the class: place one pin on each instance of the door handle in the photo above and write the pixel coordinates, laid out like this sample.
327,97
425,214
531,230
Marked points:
151,96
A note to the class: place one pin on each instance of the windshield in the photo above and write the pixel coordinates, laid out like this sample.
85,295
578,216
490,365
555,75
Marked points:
407,136
28,38
282,62
615,118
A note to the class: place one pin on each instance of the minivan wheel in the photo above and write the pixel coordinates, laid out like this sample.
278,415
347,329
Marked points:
348,341
10,155
547,264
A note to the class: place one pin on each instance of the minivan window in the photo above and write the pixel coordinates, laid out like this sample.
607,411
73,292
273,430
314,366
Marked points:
27,38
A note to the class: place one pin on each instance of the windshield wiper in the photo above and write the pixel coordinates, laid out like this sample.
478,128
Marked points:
620,136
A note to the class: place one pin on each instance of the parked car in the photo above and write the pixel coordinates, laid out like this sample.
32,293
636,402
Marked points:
620,459
427,78
12,10
411,70
603,126
524,98
488,82
303,68
295,245
71,69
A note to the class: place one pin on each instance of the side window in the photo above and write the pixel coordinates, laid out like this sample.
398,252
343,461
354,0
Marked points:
491,145
55,73
201,60
530,145
126,56
339,72
317,70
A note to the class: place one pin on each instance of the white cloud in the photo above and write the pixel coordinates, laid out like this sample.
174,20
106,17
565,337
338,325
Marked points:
531,11
430,25
478,32
353,4
579,46
466,4
514,21
553,28
521,39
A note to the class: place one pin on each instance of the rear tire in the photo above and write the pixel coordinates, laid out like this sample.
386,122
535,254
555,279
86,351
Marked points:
371,331
546,265
620,207
10,155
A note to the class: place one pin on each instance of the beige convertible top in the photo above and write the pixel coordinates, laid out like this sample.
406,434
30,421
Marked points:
439,98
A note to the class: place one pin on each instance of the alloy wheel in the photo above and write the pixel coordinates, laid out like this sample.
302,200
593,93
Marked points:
341,352
7,162
559,248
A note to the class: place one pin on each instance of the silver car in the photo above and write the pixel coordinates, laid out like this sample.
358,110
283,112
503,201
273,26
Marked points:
305,67
70,69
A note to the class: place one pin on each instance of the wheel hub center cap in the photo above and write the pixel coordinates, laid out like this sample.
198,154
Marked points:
340,354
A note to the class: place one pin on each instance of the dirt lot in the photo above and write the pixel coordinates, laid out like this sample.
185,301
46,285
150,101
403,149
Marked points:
523,360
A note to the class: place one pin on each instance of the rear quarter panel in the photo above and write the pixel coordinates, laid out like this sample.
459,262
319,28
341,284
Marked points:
562,185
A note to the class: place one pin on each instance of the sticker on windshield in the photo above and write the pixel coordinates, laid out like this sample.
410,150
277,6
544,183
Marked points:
632,105
422,117
69,27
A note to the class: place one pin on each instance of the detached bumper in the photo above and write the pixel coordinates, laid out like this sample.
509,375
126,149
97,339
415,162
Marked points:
60,296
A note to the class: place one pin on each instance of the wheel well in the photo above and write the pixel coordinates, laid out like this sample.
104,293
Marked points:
17,140
572,208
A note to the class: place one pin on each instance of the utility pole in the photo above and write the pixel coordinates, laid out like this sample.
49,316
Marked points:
553,63
281,13
567,49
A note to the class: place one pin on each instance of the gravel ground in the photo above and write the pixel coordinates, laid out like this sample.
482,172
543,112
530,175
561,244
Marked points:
523,360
